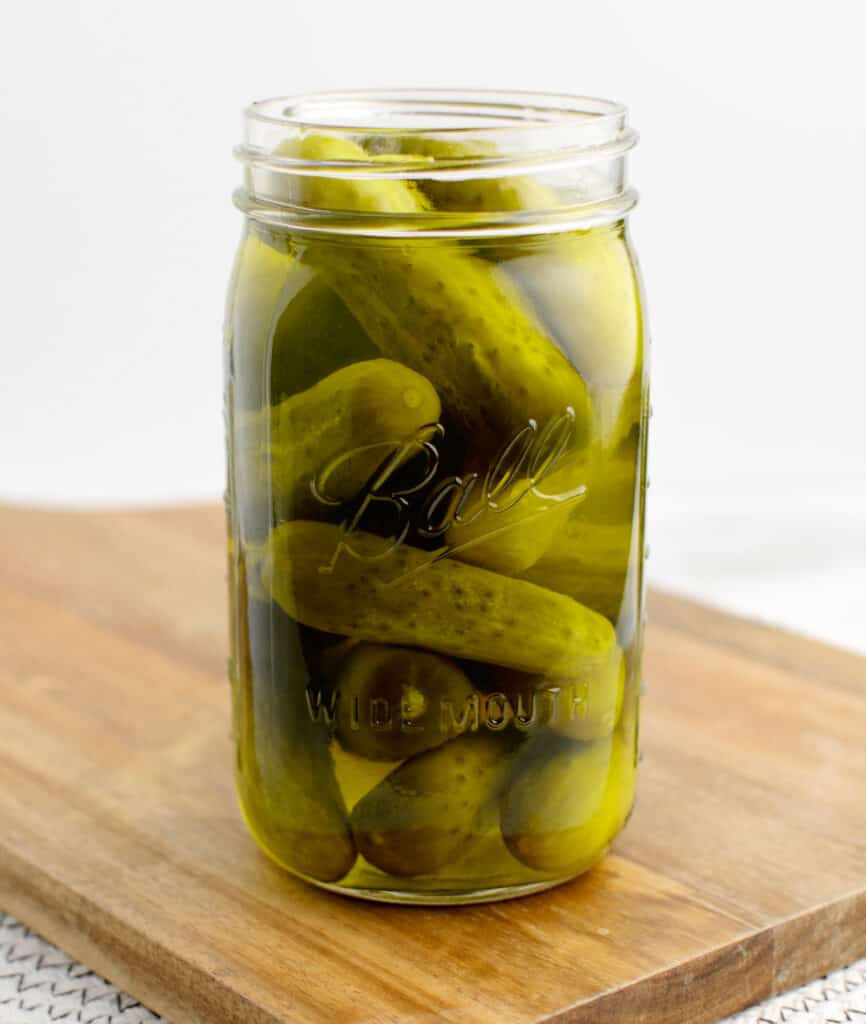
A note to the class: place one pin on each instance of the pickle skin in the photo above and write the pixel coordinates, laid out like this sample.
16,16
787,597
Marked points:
566,804
376,402
464,325
446,313
412,684
422,815
404,598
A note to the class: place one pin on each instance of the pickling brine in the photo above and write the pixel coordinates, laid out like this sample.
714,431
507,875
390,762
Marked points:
436,409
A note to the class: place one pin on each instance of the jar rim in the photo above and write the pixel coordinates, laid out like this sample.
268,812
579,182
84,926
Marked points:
519,108
579,143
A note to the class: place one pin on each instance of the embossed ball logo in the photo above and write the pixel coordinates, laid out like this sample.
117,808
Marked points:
528,473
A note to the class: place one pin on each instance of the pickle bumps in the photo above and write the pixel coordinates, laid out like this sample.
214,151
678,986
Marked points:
400,596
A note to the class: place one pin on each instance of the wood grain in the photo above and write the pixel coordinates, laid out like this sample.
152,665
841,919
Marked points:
742,872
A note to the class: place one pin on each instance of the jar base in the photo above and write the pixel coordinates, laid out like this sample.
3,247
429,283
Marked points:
442,897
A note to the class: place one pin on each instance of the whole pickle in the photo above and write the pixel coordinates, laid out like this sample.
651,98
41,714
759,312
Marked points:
289,792
566,803
422,815
357,415
390,699
365,586
583,283
442,311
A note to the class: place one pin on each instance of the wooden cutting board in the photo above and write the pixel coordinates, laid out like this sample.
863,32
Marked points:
742,873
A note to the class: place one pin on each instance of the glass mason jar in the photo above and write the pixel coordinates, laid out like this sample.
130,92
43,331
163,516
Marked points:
436,407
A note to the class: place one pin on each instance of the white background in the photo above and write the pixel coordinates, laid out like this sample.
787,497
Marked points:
117,122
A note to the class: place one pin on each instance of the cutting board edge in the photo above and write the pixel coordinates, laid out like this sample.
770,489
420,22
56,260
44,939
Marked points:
33,896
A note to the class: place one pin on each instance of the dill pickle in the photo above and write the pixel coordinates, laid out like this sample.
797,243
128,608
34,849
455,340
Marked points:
567,802
515,192
358,414
584,286
397,594
286,781
423,815
390,700
444,312
299,812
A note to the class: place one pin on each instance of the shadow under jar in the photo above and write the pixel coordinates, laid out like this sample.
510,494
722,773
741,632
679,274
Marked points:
436,407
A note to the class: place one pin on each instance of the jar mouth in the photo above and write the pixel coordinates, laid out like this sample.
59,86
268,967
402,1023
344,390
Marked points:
424,110
524,128
575,144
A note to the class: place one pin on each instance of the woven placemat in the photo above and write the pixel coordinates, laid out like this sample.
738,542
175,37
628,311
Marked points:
39,984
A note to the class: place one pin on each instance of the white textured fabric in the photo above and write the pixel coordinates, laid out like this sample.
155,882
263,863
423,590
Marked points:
840,998
41,985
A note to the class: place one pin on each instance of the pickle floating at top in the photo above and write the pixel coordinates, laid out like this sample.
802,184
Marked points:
584,287
435,307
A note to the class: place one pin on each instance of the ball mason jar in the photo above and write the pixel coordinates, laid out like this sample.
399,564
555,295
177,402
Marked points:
436,410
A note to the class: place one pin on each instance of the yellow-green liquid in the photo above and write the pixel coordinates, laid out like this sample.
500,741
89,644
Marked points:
435,506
